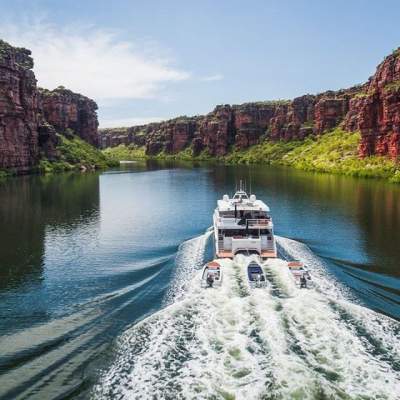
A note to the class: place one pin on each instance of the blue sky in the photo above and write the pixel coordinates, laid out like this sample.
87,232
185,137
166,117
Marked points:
152,60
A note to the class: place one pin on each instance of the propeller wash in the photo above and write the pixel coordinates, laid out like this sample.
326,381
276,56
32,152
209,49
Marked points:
256,334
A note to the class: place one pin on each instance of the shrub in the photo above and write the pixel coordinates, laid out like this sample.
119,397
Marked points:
124,153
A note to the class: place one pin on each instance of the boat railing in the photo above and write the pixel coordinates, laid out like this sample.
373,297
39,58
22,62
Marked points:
252,222
258,222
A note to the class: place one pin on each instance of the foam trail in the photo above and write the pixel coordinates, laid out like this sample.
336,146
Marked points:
382,332
190,257
282,279
239,343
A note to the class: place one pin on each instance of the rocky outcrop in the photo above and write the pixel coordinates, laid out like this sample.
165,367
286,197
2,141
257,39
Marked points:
30,118
111,137
375,111
68,111
293,120
19,110
215,131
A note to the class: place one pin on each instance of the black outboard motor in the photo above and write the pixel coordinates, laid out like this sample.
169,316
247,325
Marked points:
210,280
303,282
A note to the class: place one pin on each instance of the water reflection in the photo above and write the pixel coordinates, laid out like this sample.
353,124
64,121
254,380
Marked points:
28,206
21,233
378,213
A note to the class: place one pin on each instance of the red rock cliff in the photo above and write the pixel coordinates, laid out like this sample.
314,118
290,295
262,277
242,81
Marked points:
238,125
372,108
19,111
375,111
30,118
68,111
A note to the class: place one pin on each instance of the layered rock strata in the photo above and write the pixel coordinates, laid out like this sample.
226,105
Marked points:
372,108
30,118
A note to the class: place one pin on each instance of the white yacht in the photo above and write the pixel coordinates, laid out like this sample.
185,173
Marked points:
243,224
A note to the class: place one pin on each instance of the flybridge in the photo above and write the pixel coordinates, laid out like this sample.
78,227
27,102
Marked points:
242,224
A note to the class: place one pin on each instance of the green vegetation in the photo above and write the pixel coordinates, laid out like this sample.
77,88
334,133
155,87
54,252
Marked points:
58,90
361,94
75,153
132,152
396,52
3,175
24,59
125,153
395,177
277,102
334,152
185,155
393,86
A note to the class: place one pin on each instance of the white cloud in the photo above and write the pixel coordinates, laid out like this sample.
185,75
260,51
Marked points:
210,78
124,122
94,62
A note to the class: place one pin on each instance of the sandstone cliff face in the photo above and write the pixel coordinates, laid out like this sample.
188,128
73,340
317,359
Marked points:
240,126
19,112
372,108
30,118
66,111
375,111
215,131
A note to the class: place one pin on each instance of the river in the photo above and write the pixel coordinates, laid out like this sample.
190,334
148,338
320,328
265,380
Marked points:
100,296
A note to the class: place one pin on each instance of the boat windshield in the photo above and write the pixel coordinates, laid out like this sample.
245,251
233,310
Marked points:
240,197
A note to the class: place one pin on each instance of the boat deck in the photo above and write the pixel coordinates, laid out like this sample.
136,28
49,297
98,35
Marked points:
229,254
268,254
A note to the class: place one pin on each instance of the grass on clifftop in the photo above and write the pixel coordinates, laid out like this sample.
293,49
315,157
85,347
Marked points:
334,152
75,153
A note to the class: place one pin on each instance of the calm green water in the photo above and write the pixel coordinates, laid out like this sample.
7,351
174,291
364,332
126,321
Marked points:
83,258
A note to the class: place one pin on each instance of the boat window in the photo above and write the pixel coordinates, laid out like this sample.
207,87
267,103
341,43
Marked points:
234,232
253,233
227,214
264,232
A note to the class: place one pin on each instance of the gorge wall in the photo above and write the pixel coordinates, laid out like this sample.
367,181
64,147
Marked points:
375,110
372,108
30,118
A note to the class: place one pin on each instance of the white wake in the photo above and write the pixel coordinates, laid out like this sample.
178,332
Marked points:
240,343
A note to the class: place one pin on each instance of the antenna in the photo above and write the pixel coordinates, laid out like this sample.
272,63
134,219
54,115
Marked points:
250,178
